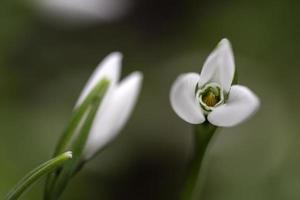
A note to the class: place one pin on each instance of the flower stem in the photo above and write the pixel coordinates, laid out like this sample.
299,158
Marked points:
70,168
202,136
73,133
37,173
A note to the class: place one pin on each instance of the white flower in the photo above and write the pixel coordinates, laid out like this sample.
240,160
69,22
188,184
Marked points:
83,11
116,106
211,95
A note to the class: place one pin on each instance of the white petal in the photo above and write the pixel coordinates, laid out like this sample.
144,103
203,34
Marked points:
183,99
241,104
113,114
219,66
77,12
109,68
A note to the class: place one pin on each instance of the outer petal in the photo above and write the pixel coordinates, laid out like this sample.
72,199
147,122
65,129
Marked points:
183,98
241,104
219,66
109,68
76,12
113,113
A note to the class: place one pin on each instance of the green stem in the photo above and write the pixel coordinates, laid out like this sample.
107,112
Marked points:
202,136
37,173
66,138
71,133
57,182
70,168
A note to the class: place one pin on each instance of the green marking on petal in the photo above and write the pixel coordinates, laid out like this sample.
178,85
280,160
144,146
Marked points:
210,96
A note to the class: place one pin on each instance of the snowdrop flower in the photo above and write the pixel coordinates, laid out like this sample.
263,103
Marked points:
83,11
210,95
116,106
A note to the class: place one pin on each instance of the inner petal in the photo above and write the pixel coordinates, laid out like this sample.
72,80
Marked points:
210,96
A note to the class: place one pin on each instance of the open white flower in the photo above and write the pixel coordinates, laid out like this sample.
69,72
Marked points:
117,104
211,95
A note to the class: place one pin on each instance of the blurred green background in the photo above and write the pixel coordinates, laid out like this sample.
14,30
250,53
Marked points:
44,64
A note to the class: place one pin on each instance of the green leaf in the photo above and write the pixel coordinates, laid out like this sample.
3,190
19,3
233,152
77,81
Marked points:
75,139
67,137
235,78
37,173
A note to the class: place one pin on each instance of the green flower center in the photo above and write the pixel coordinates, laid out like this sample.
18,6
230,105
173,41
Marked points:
210,96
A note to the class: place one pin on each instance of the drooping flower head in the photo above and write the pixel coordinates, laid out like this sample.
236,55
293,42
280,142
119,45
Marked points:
211,95
116,106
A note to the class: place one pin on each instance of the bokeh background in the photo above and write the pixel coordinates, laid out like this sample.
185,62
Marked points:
47,56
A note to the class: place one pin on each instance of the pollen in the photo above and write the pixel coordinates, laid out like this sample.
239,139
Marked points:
210,99
210,96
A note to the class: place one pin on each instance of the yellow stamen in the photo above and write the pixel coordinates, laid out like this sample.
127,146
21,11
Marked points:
210,99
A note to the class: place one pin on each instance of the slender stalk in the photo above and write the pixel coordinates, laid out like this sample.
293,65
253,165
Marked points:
70,168
37,173
202,136
66,138
72,132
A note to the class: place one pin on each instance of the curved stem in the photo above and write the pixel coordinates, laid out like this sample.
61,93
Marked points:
36,174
